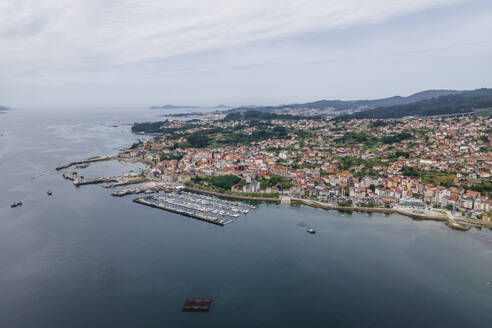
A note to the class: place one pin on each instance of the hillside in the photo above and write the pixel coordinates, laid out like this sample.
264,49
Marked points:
334,106
446,104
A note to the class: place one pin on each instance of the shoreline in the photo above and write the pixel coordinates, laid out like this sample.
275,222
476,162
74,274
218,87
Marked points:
456,224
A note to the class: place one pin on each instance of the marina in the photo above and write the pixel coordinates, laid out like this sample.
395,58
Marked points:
204,208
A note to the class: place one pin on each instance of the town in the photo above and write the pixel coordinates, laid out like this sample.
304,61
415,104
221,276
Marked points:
439,163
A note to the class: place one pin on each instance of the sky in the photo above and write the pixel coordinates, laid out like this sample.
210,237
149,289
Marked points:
72,53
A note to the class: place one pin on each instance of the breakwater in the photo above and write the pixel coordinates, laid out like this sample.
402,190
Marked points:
89,160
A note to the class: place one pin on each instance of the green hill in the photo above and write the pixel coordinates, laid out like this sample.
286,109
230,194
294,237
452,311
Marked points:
346,105
462,102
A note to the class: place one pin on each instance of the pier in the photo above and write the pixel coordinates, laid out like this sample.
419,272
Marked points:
72,176
82,181
79,180
89,160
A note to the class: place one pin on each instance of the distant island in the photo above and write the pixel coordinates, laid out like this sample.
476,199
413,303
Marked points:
3,109
172,107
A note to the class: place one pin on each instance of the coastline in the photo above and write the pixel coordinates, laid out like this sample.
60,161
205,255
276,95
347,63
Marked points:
459,224
456,224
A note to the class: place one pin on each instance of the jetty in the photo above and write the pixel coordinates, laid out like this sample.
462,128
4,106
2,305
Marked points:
87,161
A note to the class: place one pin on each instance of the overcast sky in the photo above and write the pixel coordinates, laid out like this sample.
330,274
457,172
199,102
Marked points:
193,52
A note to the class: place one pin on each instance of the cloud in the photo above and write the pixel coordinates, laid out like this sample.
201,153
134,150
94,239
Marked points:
59,38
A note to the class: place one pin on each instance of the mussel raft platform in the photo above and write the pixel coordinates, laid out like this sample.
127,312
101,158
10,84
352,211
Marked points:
197,305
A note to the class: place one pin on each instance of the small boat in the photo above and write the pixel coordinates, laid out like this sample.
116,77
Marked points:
49,192
311,230
19,203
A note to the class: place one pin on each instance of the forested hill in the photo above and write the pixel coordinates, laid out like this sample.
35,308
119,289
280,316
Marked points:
342,105
449,104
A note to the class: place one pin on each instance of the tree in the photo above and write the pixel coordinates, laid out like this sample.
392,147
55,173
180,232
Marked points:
198,140
225,181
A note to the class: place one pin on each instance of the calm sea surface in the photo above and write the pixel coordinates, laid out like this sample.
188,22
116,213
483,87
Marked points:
82,258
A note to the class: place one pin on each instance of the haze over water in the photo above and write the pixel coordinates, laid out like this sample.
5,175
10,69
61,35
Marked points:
82,258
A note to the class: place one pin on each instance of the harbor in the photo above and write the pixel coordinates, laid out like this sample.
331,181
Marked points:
201,207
